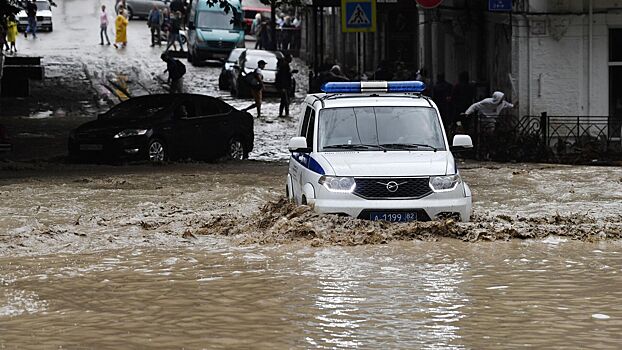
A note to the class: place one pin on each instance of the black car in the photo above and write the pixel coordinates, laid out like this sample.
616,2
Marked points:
225,73
5,144
247,63
165,126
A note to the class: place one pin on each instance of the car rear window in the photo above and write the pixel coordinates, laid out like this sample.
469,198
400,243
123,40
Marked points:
137,108
251,61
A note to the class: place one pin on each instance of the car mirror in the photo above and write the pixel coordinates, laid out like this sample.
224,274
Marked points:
295,71
462,142
298,144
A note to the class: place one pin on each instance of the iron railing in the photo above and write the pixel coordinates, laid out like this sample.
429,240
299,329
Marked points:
563,139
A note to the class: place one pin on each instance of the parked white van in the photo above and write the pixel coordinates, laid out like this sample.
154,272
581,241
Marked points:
376,151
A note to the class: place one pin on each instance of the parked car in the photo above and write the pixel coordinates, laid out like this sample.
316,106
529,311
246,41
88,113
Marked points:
44,17
247,63
225,73
5,144
165,126
141,8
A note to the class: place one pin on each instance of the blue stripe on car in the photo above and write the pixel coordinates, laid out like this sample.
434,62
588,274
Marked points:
308,162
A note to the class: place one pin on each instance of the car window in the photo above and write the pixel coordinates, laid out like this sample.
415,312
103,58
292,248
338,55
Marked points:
215,20
234,55
186,110
212,106
305,121
42,5
310,130
271,61
137,108
390,126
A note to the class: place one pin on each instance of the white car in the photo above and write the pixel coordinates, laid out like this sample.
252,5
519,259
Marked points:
377,151
44,17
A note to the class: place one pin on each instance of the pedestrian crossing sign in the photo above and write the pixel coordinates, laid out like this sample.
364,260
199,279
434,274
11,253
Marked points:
358,16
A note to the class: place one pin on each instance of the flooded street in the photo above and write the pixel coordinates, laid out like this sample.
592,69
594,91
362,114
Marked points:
195,255
180,256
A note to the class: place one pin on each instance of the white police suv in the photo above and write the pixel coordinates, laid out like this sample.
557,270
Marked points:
377,151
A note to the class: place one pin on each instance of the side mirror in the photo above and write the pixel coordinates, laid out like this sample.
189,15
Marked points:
298,144
462,142
295,71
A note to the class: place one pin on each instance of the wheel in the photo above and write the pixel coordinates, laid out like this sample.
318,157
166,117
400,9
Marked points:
157,151
190,57
236,149
222,83
183,39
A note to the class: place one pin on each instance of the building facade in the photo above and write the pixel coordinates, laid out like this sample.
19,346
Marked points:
556,56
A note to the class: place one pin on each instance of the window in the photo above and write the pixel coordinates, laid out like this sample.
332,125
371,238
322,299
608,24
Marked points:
186,110
212,106
310,130
137,108
305,121
390,127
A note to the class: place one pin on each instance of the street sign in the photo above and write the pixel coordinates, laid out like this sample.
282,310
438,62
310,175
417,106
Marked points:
358,16
500,5
429,4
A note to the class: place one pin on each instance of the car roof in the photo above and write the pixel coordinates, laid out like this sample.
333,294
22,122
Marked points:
263,53
167,98
369,99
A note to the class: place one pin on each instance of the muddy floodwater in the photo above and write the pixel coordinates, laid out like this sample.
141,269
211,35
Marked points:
209,256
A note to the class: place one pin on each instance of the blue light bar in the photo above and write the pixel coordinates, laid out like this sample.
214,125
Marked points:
373,86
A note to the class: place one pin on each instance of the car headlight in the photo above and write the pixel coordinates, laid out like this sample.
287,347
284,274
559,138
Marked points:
130,132
444,183
338,184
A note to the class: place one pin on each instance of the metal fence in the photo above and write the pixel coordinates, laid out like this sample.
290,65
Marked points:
563,139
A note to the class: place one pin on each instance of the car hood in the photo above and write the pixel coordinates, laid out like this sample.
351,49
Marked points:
390,164
224,35
103,124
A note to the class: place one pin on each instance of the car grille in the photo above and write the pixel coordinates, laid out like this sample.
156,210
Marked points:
378,188
221,44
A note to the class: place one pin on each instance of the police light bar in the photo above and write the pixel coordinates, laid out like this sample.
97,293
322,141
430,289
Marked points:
373,86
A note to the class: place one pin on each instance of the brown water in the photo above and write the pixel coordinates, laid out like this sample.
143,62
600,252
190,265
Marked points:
427,295
179,256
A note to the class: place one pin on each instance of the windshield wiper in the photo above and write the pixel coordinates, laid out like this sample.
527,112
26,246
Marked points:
408,146
356,146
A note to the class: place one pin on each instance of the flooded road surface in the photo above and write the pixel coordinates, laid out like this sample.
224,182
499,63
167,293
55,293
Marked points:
181,256
409,295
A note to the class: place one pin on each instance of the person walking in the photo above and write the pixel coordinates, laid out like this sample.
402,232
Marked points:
103,26
31,12
283,82
488,110
121,28
174,32
256,30
176,70
154,21
4,46
255,80
11,34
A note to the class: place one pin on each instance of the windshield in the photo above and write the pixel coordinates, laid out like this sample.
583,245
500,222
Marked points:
215,20
136,109
380,128
42,5
271,62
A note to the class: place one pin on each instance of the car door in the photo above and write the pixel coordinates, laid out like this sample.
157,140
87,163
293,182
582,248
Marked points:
298,160
217,127
186,129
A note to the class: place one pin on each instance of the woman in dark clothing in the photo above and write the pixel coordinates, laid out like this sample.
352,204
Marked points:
284,83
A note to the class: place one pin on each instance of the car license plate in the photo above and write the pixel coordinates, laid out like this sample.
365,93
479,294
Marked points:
402,216
91,147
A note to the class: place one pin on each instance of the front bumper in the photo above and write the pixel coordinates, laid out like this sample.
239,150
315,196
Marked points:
128,148
434,206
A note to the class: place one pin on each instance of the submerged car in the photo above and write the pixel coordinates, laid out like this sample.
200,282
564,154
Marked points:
247,63
44,17
377,151
165,126
227,68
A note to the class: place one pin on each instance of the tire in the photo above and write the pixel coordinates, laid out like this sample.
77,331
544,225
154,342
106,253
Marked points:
157,151
130,13
236,149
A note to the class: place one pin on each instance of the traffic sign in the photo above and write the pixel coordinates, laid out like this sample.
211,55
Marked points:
358,16
500,5
429,4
